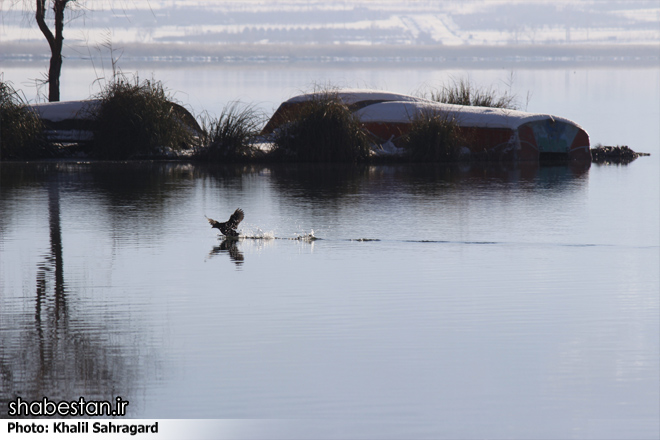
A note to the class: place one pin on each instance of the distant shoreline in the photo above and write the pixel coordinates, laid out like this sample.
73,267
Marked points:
545,56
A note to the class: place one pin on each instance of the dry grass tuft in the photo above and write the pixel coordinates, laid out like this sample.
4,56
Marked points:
462,92
230,138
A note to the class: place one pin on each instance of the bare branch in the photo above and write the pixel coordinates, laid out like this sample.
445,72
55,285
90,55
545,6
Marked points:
40,15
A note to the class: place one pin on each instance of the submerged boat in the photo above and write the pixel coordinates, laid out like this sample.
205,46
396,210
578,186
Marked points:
501,133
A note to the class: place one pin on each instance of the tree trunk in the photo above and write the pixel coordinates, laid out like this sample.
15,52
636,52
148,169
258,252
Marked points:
55,43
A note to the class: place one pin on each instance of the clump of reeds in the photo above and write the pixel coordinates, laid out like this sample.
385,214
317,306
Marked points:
21,130
463,92
433,137
323,130
230,137
139,119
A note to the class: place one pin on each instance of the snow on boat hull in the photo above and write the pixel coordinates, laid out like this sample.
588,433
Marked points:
67,121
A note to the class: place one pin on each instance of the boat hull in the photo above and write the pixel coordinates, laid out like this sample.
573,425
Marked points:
498,133
495,133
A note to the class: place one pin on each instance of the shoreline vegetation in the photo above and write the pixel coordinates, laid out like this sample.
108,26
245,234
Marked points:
133,119
21,131
138,119
324,130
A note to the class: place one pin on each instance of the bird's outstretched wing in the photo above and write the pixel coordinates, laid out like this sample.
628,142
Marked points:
212,222
235,218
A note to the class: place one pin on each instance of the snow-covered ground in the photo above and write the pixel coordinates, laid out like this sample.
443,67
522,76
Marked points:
297,22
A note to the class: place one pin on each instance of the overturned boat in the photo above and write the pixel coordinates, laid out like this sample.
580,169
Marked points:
72,122
354,99
502,134
506,134
67,121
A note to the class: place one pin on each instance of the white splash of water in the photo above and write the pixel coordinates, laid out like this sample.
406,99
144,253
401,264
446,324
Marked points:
306,236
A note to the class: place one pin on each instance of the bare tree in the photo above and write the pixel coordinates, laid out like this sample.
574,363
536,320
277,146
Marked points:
55,43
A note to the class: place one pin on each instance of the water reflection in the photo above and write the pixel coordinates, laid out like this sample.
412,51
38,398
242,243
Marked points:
144,184
49,325
72,344
62,350
313,181
336,180
230,248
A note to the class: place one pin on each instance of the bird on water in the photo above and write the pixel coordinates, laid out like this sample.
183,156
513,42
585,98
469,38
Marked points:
228,228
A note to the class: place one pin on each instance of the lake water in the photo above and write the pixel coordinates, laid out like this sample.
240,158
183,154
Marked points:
389,301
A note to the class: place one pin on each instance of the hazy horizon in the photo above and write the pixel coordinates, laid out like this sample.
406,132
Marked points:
284,28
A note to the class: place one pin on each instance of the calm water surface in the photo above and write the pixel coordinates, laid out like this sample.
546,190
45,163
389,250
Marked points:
499,301
524,298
